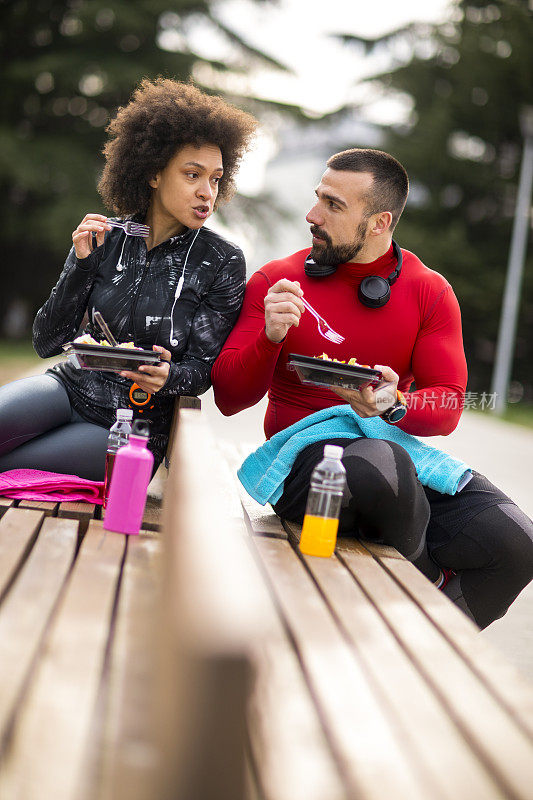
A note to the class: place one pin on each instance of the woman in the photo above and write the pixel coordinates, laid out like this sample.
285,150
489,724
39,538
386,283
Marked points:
170,159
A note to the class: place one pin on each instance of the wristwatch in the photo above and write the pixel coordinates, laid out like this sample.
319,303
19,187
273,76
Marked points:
397,411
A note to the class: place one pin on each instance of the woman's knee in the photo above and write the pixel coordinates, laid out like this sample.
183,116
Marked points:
29,407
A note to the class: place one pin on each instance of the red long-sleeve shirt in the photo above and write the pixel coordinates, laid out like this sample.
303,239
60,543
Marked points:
417,333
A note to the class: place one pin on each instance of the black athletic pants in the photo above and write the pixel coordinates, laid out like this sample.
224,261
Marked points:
478,533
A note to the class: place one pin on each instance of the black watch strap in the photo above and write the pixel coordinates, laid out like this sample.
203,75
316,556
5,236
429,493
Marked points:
397,411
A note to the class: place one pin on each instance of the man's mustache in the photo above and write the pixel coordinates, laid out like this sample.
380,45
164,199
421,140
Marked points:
320,233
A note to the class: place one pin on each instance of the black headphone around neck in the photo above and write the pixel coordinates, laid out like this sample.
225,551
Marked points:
374,291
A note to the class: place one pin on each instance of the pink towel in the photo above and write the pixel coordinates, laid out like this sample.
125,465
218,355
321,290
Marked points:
34,484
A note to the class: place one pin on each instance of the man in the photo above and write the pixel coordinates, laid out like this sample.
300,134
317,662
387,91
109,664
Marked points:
404,318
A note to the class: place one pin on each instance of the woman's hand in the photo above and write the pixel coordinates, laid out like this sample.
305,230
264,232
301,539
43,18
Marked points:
82,236
371,402
150,377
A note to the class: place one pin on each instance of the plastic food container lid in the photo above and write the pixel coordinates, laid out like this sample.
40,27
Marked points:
108,359
320,372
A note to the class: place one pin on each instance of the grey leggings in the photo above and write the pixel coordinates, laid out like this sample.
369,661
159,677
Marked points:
39,429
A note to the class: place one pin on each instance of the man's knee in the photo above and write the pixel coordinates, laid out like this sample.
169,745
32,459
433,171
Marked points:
509,533
379,460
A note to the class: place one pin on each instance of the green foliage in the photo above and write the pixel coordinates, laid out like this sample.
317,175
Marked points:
468,80
66,66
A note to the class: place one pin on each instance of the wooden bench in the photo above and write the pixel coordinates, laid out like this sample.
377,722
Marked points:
384,688
213,660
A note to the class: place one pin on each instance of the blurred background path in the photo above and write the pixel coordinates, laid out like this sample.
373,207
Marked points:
500,450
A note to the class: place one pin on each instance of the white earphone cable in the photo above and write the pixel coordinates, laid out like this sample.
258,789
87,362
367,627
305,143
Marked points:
174,342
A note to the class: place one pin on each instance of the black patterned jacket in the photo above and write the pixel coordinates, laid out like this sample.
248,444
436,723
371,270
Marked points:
135,291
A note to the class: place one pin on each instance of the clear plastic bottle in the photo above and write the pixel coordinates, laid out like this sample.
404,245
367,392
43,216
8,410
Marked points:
118,436
131,476
321,521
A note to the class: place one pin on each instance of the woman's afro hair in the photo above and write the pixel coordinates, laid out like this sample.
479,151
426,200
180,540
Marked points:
162,117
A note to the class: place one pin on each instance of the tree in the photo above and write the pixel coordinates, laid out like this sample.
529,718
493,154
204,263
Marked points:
467,81
66,66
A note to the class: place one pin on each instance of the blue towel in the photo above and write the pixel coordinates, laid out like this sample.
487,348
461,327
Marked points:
263,473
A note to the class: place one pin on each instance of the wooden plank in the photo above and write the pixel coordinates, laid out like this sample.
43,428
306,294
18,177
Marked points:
261,519
251,789
18,531
356,726
27,609
5,503
46,506
505,749
294,531
52,725
211,616
288,748
191,403
83,512
152,516
438,746
188,401
377,549
500,676
127,756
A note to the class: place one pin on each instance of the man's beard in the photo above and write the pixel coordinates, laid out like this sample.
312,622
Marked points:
329,254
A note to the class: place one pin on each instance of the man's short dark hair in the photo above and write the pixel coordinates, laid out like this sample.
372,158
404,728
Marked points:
391,185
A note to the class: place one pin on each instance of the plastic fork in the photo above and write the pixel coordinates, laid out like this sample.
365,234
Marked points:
105,329
130,228
324,329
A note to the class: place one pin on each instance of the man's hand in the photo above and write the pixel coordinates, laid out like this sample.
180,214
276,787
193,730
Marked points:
82,236
150,377
371,402
283,308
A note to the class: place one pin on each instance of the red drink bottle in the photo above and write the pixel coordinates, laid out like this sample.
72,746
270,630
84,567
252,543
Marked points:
131,475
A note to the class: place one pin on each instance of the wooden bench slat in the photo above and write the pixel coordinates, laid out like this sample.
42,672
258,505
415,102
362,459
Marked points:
84,512
152,516
291,756
505,749
26,611
437,744
18,531
46,506
262,522
377,549
261,519
289,750
251,789
5,503
212,615
498,674
225,480
357,728
127,757
53,722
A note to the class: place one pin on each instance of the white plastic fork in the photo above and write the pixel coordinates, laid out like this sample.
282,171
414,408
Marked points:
130,228
324,329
